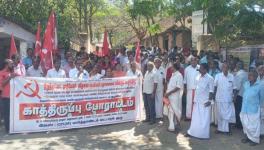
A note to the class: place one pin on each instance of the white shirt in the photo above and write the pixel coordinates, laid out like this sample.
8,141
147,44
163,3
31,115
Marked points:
32,72
148,83
20,69
204,86
190,73
130,73
240,78
74,74
53,73
176,80
96,77
159,77
225,86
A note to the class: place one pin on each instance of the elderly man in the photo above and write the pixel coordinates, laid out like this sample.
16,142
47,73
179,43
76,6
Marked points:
190,74
56,72
261,80
250,112
174,94
240,79
133,71
159,82
204,88
148,94
224,86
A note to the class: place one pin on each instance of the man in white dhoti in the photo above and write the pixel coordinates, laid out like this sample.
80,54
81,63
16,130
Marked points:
190,74
224,86
159,81
174,94
250,112
200,123
261,80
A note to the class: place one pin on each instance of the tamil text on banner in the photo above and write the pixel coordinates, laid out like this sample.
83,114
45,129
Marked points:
42,104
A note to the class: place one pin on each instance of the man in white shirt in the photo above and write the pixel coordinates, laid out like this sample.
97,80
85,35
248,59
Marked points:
69,65
148,94
35,70
133,71
190,74
261,80
56,72
240,78
159,82
94,75
224,87
200,123
174,94
78,72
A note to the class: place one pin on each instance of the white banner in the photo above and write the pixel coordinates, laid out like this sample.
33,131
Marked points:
45,104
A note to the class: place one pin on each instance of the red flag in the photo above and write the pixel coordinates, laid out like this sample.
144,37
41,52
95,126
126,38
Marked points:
38,41
13,49
105,49
49,47
138,52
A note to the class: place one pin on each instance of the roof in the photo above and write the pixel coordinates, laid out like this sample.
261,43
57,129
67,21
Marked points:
20,23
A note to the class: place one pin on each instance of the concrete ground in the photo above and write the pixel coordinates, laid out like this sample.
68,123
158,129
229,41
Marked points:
123,136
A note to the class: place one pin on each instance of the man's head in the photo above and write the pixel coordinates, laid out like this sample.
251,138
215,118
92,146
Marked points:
252,75
109,73
133,66
150,66
239,65
79,64
130,57
157,62
177,59
16,59
36,62
9,65
194,61
29,52
57,64
70,60
203,68
176,67
261,70
225,68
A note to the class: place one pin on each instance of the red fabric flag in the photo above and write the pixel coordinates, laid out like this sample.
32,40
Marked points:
137,56
105,49
13,49
49,47
38,41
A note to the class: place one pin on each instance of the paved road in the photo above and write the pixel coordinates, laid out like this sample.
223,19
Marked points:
123,136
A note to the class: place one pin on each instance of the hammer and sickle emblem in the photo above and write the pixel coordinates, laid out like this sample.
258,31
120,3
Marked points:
34,92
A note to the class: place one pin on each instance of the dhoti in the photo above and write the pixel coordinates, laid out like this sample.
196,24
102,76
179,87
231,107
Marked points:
226,115
159,104
251,125
189,103
175,109
214,114
200,124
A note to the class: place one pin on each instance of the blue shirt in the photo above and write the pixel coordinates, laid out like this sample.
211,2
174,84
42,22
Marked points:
27,61
252,97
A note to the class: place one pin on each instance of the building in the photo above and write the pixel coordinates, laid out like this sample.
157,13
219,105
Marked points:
24,37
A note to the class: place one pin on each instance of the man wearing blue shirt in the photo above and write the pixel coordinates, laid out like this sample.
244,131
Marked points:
250,112
27,61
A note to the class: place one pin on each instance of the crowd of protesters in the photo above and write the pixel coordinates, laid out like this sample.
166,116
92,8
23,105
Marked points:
215,90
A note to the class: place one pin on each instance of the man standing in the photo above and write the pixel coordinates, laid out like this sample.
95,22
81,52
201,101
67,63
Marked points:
174,94
250,112
19,67
56,72
35,70
261,80
200,123
159,82
27,61
224,86
190,74
240,79
69,64
148,94
133,71
5,76
78,72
